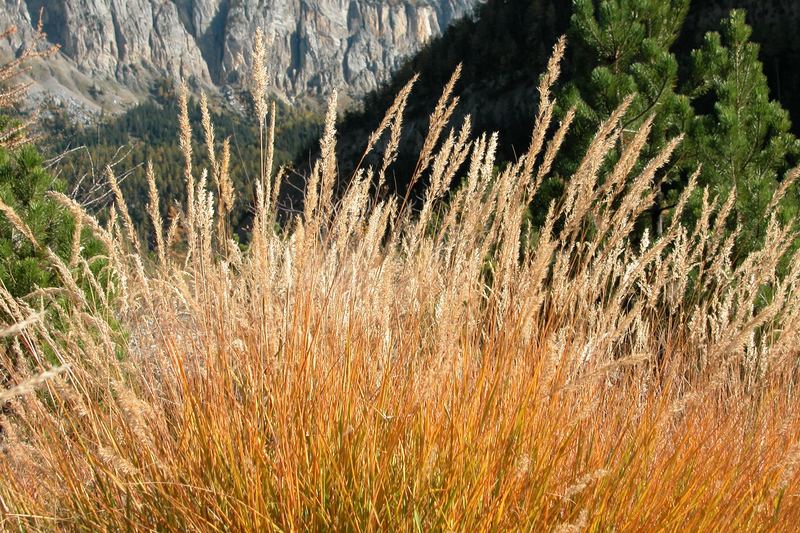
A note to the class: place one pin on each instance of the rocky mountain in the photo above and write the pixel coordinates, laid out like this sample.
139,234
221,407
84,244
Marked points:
113,50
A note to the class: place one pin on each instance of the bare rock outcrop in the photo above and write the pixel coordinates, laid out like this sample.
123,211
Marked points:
315,45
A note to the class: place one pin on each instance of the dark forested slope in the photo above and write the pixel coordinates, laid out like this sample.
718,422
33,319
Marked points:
504,47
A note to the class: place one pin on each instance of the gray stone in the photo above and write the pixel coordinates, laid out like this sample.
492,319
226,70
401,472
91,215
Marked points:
314,46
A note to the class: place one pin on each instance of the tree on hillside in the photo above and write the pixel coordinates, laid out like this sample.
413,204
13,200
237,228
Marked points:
23,184
731,127
621,48
743,140
26,213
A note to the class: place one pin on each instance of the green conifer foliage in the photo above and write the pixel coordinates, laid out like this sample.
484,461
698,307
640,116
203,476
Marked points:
23,185
744,139
731,127
621,48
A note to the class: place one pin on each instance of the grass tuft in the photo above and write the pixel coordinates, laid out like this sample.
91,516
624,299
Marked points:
369,367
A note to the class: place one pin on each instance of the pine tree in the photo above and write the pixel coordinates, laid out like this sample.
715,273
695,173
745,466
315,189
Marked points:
744,139
621,48
23,183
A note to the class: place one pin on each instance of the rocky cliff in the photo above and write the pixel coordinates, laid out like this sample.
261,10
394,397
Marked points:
122,46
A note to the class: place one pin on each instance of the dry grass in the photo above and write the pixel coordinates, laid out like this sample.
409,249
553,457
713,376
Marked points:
370,369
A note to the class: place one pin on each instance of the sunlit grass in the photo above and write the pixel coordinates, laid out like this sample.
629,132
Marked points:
365,368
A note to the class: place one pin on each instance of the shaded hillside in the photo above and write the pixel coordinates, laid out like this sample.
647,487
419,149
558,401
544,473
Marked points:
503,49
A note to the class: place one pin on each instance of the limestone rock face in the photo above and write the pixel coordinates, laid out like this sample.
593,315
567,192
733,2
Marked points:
351,44
314,45
130,41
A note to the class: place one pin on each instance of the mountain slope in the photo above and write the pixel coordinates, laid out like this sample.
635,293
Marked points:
124,45
504,49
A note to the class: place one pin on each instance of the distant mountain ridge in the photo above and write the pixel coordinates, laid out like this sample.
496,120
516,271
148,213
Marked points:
113,50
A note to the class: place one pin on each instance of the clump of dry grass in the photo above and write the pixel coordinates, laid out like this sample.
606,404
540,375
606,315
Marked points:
365,369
